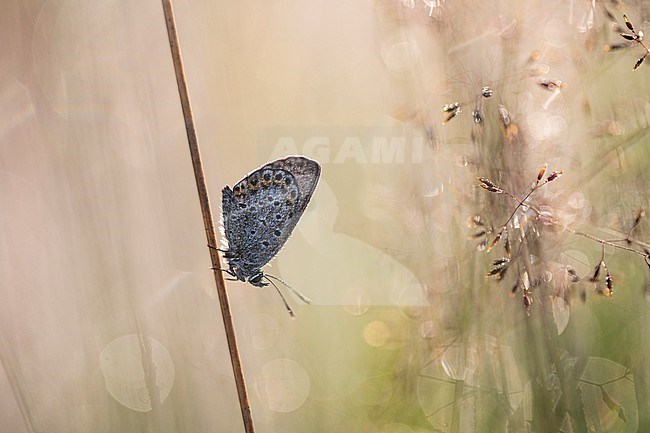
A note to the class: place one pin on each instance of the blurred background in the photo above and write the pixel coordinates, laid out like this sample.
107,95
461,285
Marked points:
110,321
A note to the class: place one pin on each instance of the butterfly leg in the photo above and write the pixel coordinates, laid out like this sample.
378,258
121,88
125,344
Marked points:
229,272
212,247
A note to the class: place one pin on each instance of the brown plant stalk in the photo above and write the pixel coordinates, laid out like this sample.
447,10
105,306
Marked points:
207,217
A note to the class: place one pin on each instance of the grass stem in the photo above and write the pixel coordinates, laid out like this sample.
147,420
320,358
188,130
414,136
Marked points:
207,216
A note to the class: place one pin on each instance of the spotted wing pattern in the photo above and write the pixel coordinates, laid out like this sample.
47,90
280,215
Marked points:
261,210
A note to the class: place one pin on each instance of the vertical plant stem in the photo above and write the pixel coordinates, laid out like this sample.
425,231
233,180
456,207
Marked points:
207,217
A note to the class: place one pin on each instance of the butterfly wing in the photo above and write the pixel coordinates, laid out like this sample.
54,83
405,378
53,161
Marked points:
261,210
306,173
227,204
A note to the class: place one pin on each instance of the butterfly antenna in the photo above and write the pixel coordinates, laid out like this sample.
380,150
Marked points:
286,304
302,297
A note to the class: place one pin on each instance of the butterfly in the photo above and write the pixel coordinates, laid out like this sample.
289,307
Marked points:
260,212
